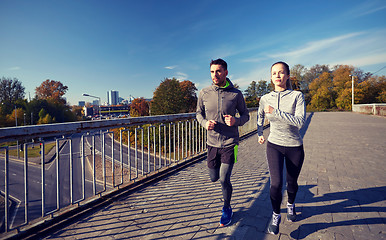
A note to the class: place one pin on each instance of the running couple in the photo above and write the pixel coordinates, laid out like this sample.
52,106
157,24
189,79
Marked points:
284,108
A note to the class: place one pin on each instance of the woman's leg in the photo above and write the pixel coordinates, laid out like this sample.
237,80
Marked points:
294,161
275,160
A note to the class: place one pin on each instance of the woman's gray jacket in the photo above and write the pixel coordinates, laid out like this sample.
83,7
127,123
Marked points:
287,118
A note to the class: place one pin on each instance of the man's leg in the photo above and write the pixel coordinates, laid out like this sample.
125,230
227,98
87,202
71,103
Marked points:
225,180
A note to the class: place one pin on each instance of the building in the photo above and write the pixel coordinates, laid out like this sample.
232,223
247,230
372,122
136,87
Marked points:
112,97
81,103
120,110
88,111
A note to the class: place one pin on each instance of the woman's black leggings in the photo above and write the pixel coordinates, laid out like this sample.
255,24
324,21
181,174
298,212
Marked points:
294,158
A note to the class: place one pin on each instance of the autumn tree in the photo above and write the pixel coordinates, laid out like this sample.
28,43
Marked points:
297,73
51,90
309,76
188,90
372,90
322,94
139,107
295,83
173,96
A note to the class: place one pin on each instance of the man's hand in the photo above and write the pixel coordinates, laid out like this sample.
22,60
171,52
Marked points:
261,139
210,124
229,120
268,109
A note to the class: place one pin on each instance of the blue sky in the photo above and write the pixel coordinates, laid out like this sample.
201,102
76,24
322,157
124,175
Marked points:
93,46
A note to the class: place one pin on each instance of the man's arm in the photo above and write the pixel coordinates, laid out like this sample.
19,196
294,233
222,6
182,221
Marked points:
200,111
243,111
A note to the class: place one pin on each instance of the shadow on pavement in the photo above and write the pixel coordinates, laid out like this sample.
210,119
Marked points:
356,201
303,130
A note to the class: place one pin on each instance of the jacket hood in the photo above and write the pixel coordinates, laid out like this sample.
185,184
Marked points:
227,87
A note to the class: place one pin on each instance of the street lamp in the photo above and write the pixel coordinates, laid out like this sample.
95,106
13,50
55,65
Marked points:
99,102
352,92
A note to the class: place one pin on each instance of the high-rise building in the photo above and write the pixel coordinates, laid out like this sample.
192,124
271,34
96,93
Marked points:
81,103
112,97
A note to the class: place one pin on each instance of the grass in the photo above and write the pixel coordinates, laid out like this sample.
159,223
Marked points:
34,151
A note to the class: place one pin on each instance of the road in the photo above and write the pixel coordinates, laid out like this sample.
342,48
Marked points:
138,162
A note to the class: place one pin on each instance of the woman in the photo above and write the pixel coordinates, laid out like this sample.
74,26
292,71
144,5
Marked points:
285,110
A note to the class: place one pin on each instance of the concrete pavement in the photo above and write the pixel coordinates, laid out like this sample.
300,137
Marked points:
342,192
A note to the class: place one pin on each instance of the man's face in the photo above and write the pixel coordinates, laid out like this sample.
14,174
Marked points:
218,74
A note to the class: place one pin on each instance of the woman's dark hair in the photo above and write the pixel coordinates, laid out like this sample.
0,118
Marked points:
287,68
220,62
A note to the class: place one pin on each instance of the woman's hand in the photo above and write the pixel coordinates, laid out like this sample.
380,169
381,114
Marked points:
261,139
268,109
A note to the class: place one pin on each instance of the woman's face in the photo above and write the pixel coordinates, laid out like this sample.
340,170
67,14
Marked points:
279,75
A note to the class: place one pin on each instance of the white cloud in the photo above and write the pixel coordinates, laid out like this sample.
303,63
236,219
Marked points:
181,76
315,46
14,68
364,61
171,67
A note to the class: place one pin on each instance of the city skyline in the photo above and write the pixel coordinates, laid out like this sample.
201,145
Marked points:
92,46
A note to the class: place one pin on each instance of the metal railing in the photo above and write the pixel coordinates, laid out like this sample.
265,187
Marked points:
89,159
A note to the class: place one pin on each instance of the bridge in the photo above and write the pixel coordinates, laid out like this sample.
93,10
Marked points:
342,192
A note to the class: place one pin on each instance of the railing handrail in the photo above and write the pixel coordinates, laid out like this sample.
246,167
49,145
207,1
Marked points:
50,130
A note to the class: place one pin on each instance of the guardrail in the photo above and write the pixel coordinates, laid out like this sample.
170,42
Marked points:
372,108
89,160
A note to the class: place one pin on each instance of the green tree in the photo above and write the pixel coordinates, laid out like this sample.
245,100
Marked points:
11,90
255,91
172,97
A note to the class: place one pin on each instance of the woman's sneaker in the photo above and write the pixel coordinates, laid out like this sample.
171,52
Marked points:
226,217
291,213
273,227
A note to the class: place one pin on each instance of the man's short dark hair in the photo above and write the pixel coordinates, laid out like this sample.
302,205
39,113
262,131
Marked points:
219,62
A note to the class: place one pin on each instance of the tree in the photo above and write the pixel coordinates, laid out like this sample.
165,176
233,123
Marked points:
51,90
321,90
139,107
295,83
17,116
313,73
172,97
251,95
255,91
189,96
297,73
11,90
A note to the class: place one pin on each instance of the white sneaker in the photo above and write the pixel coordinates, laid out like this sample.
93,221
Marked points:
291,213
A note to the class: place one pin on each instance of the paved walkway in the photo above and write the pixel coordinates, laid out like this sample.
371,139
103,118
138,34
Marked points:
342,193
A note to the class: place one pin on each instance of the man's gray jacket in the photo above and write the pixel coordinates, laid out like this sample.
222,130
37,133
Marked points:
213,103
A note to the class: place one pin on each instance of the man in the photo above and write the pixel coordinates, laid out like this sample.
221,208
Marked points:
216,111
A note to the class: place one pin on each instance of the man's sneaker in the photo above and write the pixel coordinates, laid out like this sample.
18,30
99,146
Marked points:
291,213
273,227
226,217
